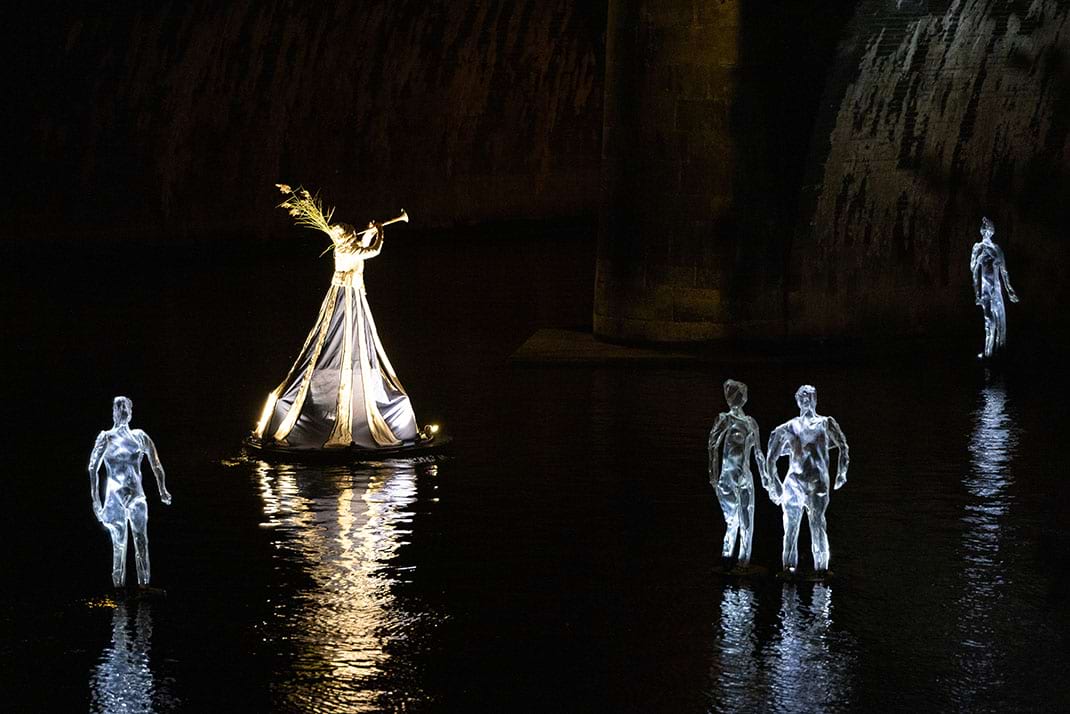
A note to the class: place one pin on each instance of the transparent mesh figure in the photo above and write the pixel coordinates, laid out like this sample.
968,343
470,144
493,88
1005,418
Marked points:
732,439
990,279
806,441
120,449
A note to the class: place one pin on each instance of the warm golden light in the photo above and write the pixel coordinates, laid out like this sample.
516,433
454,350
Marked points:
307,209
347,526
265,413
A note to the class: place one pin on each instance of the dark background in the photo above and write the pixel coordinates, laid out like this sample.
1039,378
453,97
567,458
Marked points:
563,558
867,138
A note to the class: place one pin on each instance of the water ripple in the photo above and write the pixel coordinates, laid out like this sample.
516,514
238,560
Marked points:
345,526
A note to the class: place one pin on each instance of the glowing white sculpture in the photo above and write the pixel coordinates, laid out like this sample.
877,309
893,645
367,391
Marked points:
121,449
732,439
806,441
990,278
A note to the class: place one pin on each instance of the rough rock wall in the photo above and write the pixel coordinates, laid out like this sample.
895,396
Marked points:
184,115
941,112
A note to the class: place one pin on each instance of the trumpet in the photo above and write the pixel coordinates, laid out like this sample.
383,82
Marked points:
403,218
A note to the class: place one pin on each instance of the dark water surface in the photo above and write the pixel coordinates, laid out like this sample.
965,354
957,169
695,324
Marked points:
561,558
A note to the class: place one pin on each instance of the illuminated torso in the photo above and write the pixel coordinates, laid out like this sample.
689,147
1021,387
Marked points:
988,261
734,461
122,459
349,268
809,452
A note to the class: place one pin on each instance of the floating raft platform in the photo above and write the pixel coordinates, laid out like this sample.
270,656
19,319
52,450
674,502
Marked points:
275,451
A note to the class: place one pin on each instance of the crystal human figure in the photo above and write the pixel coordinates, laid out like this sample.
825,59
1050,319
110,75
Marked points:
990,279
806,441
121,449
733,438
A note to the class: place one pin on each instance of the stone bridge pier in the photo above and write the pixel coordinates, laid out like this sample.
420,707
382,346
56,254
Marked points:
666,232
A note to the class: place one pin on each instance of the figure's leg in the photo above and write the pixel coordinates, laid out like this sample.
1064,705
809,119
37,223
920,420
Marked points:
114,520
728,495
792,519
746,522
990,327
819,539
117,531
1000,315
139,524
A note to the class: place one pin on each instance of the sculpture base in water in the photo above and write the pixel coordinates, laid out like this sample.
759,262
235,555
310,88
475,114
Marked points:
741,572
275,451
135,592
806,576
146,592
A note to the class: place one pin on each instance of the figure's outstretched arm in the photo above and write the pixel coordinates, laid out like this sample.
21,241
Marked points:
95,459
1007,281
778,443
754,441
839,441
975,269
155,465
376,245
717,434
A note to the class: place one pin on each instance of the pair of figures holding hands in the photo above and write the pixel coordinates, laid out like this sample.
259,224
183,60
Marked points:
806,440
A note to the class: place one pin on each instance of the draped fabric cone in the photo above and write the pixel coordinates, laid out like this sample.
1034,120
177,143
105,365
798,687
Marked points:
342,390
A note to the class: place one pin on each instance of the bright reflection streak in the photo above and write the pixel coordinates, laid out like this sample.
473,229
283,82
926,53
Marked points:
807,673
123,680
805,666
992,449
344,525
738,672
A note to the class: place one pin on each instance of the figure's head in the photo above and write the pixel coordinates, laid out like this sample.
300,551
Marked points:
806,398
341,232
121,411
735,393
988,229
346,233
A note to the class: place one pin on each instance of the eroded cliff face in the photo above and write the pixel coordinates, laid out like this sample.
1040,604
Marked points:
183,116
941,112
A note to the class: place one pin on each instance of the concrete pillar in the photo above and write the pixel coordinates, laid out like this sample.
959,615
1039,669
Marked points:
668,169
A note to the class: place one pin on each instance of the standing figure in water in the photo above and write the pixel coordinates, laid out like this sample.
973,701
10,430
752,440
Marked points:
121,449
732,439
989,280
806,441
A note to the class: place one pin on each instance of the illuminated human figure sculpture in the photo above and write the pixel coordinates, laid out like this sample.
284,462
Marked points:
733,438
806,441
989,280
121,449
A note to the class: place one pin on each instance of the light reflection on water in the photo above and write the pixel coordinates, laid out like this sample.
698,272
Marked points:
811,670
344,525
123,679
993,444
739,677
804,665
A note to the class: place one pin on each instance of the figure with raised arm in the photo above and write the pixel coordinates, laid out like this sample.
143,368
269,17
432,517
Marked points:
121,449
733,438
806,441
341,393
990,279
